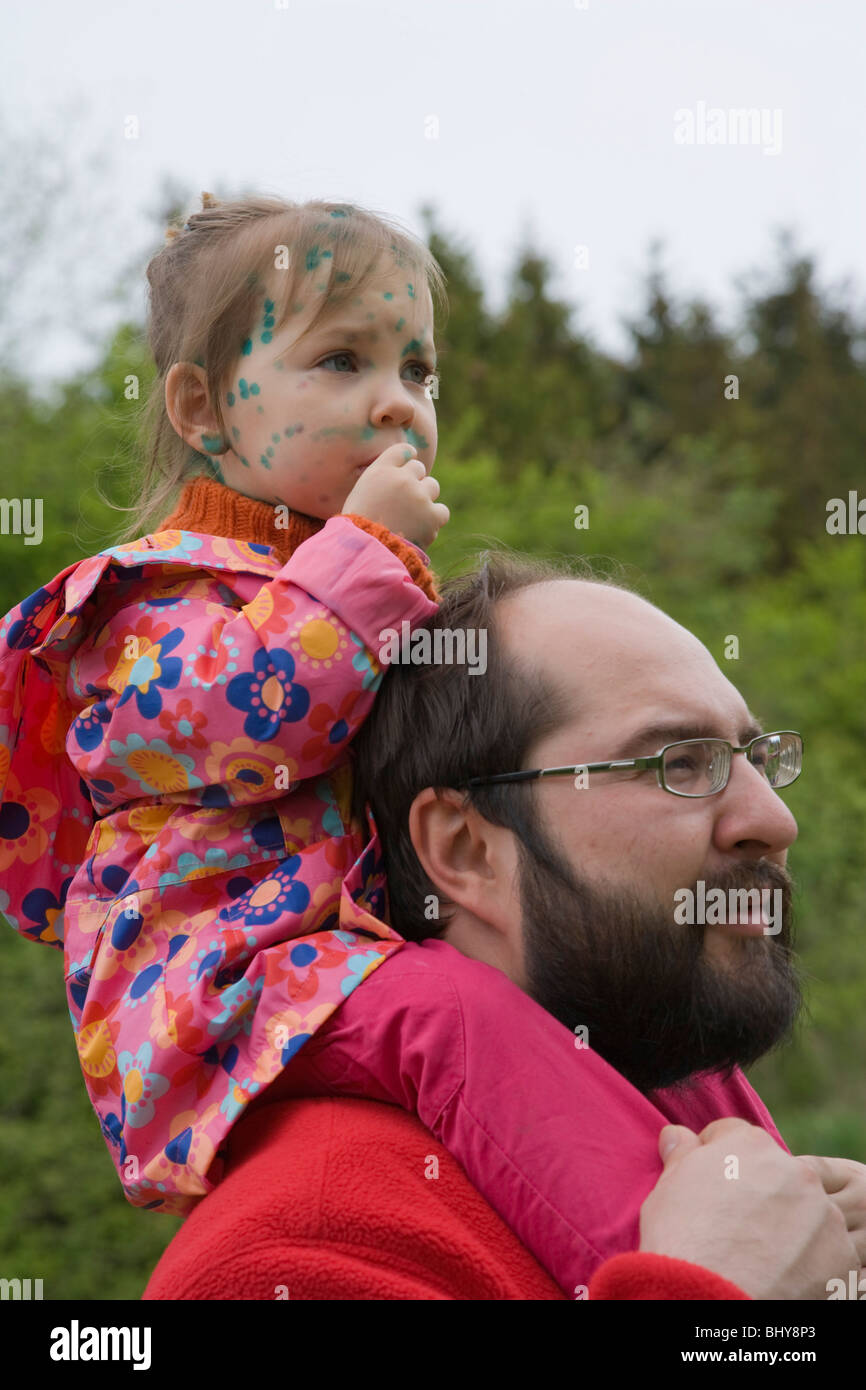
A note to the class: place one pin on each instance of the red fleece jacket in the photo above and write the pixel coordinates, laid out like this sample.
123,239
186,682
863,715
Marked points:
341,1199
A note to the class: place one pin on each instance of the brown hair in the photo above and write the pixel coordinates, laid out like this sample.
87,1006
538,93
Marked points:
436,725
205,290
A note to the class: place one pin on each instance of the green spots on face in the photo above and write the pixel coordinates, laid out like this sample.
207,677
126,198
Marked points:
270,452
411,289
414,346
387,295
231,397
413,437
290,430
315,255
368,433
247,390
268,321
246,347
260,409
198,362
275,438
341,276
245,462
214,469
399,325
298,307
236,434
265,461
339,212
214,443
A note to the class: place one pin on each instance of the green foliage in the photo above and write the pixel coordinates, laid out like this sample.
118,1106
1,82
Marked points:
714,508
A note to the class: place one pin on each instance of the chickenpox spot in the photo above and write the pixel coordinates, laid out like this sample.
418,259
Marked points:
413,346
236,434
298,307
290,430
339,212
388,295
341,276
412,437
315,255
411,289
248,389
231,397
215,470
399,325
212,443
268,324
246,347
265,461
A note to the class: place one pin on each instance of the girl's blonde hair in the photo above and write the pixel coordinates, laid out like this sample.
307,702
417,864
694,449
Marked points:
207,286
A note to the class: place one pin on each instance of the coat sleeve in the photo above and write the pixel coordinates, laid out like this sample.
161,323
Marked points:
643,1275
291,674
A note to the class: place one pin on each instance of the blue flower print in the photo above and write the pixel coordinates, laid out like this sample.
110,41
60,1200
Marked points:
151,670
141,1086
268,899
360,966
154,765
369,668
268,694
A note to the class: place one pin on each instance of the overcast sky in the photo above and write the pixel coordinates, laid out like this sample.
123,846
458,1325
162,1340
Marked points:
583,123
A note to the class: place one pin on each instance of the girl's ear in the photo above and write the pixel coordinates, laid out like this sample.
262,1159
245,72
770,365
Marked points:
188,406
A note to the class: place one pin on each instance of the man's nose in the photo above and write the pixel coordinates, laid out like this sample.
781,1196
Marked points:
751,812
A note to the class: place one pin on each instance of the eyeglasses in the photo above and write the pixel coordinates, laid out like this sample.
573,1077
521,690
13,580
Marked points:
692,767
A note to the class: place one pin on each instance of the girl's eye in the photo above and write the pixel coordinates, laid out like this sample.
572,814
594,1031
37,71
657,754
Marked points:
424,368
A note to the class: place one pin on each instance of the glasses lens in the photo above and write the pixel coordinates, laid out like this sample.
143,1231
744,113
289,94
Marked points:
779,757
697,767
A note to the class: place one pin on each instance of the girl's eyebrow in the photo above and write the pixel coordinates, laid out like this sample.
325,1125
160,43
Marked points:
361,331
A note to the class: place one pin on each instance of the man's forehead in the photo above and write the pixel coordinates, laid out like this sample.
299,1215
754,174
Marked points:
616,657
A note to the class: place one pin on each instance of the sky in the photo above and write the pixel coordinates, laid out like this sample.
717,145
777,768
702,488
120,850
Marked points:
591,127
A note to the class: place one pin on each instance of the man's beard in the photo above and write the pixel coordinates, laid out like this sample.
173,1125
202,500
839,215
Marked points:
655,1006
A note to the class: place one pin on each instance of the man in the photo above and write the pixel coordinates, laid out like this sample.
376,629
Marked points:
579,674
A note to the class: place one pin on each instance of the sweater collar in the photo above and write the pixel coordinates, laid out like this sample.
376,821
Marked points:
212,509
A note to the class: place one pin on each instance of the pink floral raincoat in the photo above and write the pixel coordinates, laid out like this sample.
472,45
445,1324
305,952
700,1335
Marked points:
174,722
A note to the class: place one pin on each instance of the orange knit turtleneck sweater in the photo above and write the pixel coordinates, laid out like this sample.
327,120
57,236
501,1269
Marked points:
213,509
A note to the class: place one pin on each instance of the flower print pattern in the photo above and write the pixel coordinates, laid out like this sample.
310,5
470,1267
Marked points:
176,817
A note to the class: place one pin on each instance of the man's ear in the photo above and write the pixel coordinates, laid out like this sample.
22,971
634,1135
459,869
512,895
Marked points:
465,856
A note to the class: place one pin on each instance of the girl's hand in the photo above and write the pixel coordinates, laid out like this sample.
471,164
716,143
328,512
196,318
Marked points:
844,1181
396,492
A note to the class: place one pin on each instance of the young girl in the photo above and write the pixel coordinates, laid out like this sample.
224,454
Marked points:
175,716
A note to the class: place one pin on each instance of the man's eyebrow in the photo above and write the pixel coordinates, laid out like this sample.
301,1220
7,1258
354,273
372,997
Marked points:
361,331
654,736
